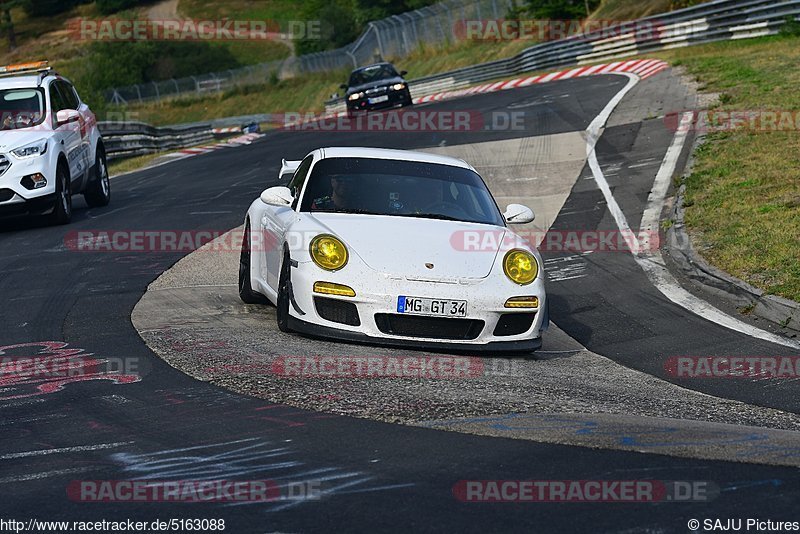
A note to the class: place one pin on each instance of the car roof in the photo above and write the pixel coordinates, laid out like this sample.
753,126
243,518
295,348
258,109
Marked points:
382,63
27,81
386,153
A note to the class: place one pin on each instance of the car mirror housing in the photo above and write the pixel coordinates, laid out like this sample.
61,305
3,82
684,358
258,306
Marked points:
518,214
403,72
66,116
343,86
277,196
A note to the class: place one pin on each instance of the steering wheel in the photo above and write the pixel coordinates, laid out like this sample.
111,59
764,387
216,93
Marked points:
449,207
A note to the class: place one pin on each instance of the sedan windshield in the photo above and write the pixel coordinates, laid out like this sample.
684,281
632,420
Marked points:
371,74
399,188
21,108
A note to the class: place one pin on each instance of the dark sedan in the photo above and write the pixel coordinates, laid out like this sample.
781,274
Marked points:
377,86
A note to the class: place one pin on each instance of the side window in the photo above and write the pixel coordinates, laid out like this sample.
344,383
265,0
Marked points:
69,94
57,102
299,178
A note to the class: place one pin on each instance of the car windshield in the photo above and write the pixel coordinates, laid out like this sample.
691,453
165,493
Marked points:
21,108
399,188
371,74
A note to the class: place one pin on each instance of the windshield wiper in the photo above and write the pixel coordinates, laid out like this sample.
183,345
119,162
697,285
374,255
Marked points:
431,216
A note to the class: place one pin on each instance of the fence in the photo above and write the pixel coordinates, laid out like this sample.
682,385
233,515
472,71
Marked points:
713,21
393,37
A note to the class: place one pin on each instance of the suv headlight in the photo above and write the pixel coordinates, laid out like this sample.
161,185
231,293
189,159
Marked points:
37,148
520,266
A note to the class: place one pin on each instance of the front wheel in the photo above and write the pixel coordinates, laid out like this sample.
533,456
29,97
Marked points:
246,292
62,209
98,192
284,287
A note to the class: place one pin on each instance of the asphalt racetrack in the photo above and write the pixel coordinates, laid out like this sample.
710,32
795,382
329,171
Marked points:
130,415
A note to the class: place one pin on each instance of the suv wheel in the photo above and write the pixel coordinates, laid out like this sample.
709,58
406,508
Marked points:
98,192
62,211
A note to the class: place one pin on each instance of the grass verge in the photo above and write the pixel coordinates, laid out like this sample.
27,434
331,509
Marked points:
743,196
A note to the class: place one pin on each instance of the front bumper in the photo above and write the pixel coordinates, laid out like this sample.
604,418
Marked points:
18,200
396,98
376,300
310,329
18,207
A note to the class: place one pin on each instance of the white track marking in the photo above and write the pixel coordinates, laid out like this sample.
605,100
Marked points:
44,452
592,135
653,264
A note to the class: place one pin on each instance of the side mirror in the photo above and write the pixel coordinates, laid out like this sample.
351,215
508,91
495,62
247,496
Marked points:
343,86
65,116
403,72
277,196
518,214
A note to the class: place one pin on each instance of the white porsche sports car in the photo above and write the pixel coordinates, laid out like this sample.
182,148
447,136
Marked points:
393,247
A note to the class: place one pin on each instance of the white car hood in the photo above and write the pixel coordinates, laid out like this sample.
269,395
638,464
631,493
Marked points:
11,139
402,246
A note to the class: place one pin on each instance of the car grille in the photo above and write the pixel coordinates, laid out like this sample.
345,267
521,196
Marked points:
337,311
377,91
4,164
428,327
512,324
6,194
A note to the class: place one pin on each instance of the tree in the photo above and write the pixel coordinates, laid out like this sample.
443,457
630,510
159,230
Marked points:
7,23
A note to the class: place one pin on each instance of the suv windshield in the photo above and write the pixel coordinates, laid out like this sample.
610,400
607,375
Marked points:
372,74
21,108
399,188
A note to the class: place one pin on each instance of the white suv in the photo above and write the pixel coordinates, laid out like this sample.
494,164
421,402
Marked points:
50,147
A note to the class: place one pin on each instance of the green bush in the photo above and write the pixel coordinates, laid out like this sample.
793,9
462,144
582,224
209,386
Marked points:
44,8
107,7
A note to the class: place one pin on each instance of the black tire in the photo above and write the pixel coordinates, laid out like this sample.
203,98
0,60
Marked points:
62,208
246,292
284,283
98,192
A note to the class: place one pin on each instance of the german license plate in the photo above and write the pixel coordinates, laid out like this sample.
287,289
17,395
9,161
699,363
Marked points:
432,307
379,99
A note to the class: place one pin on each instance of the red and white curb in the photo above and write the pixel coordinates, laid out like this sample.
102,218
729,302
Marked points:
229,129
643,68
241,140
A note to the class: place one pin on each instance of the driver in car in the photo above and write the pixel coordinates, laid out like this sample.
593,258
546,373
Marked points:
342,197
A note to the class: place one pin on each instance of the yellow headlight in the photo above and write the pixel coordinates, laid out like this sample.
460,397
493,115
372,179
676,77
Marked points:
328,252
520,267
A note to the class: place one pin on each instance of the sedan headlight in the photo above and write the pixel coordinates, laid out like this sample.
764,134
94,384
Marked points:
520,266
355,96
328,252
398,86
37,148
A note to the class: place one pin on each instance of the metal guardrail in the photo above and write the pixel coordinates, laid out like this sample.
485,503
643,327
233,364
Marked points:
719,20
130,139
